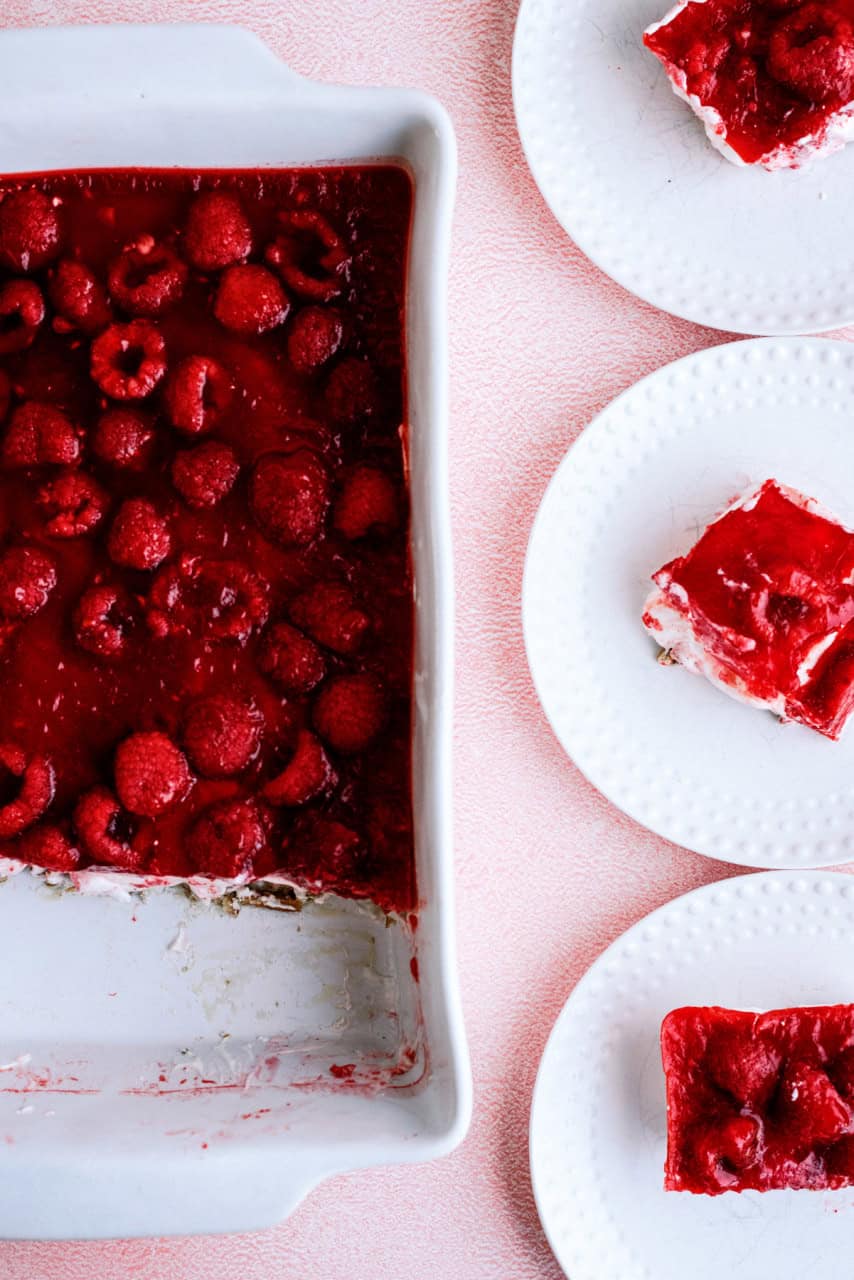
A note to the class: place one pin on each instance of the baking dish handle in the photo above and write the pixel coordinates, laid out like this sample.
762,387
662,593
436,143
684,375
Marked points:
229,56
293,1184
198,60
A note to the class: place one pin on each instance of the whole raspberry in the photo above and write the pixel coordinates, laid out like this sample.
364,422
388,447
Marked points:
78,297
128,360
735,1142
221,600
5,394
105,831
222,735
139,537
27,577
204,475
811,51
123,437
366,504
315,335
102,620
810,1111
328,611
324,855
290,659
307,775
29,230
147,278
226,838
351,392
21,314
289,494
47,846
40,435
218,232
197,394
34,784
74,504
250,300
151,773
350,712
309,255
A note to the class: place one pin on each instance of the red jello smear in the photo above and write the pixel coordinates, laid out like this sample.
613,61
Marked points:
774,70
205,588
759,1102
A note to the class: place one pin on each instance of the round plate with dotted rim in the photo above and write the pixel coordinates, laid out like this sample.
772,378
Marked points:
598,1127
641,483
628,172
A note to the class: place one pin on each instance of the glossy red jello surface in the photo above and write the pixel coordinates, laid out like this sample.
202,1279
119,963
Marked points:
759,1101
205,587
775,70
768,593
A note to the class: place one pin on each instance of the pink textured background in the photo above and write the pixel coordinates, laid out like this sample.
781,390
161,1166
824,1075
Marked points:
548,872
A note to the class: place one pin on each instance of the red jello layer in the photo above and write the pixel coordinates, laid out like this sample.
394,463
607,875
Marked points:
759,1101
769,594
205,588
774,70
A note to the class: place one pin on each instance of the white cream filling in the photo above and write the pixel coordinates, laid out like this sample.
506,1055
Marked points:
112,883
747,502
809,663
674,633
670,15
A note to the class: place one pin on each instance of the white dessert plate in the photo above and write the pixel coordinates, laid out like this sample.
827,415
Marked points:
629,174
598,1128
672,751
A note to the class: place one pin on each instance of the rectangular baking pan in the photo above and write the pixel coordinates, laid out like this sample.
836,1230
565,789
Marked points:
166,1067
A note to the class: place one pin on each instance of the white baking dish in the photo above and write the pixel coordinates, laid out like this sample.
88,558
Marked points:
164,1067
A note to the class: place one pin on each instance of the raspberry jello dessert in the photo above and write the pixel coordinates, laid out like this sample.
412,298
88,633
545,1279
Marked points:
206,611
772,80
759,1101
763,606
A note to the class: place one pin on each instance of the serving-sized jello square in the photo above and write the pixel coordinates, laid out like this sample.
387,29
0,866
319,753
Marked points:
772,80
759,1101
763,606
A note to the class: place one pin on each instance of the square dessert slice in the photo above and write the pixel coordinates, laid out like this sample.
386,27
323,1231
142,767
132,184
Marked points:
763,606
772,80
759,1101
